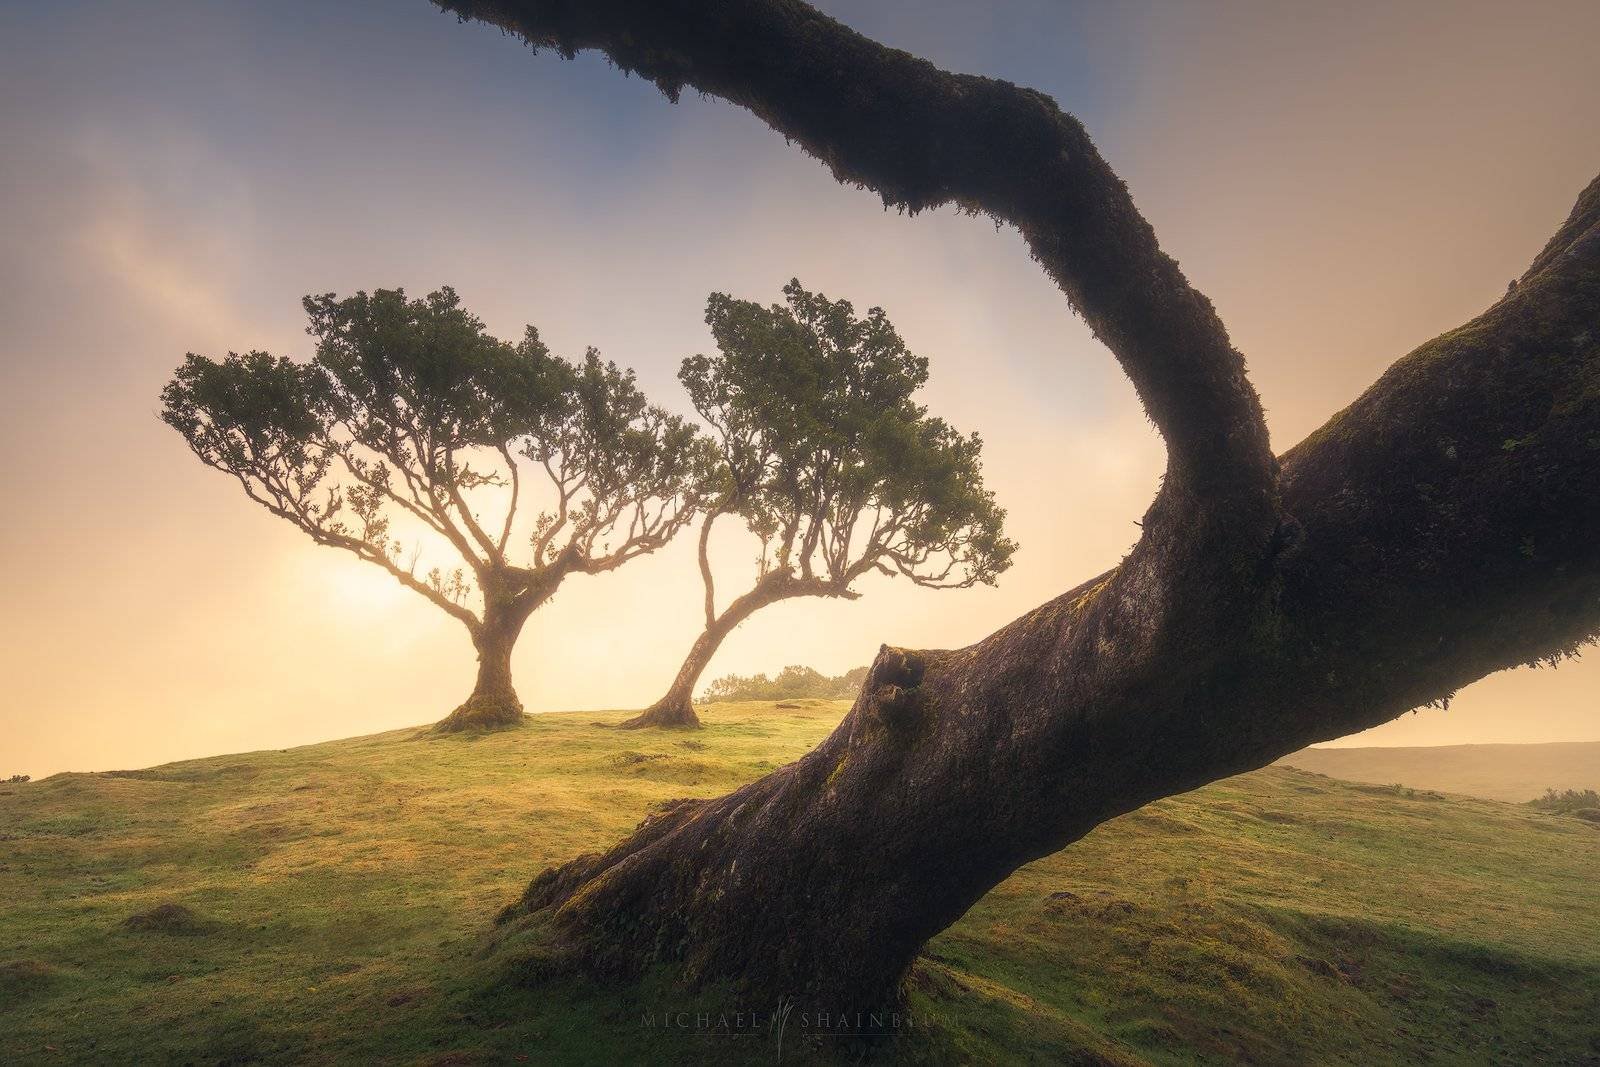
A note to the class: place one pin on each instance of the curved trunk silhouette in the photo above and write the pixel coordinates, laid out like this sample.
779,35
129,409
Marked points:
677,707
1438,529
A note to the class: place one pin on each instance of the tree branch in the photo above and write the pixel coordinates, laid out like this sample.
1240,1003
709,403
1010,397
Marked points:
287,503
426,504
705,565
452,488
1440,528
1446,530
922,137
511,508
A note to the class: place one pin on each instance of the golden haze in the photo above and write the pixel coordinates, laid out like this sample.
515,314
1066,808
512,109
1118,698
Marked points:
1344,184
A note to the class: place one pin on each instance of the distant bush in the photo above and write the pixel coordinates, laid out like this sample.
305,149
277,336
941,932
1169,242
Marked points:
1395,789
791,682
18,779
1584,803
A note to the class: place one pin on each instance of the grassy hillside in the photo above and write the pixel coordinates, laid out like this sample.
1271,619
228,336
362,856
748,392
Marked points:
327,905
1500,772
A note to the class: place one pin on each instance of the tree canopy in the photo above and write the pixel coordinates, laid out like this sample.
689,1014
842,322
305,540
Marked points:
826,454
410,410
831,462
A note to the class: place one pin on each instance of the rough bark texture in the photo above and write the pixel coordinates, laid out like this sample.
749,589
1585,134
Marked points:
1439,529
493,703
673,711
507,604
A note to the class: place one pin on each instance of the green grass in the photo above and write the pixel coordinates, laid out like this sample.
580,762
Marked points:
339,894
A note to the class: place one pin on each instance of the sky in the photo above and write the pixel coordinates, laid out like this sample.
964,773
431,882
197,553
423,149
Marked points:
1344,181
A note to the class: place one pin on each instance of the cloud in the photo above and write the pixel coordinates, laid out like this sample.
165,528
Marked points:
167,222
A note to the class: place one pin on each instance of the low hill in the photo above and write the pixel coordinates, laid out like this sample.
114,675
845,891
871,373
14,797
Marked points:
1516,773
327,904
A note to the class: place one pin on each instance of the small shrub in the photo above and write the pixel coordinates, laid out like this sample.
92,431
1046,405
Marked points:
23,978
166,919
1570,802
793,682
635,759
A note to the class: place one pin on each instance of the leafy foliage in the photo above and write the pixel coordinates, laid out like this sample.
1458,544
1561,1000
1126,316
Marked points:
1584,803
827,457
409,408
830,462
791,682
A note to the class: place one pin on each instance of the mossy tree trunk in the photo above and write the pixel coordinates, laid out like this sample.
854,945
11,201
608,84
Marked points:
509,598
1440,528
493,703
1415,554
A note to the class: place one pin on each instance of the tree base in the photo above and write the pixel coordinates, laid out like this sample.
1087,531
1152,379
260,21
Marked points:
669,713
480,712
717,892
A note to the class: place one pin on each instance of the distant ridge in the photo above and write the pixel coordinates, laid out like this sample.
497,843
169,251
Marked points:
1497,772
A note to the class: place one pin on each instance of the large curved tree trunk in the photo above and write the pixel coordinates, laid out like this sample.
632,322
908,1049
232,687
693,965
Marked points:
1440,528
1418,553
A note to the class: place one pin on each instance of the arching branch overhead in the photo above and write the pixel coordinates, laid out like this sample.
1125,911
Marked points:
1438,529
921,137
